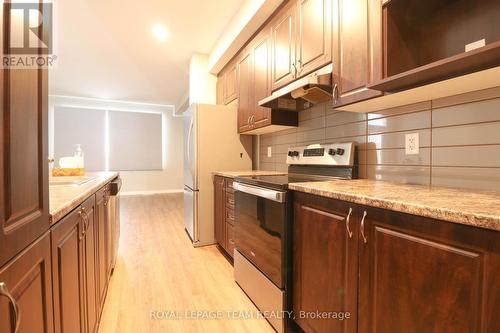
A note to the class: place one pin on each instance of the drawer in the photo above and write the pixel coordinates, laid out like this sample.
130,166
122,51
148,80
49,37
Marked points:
230,200
229,239
230,216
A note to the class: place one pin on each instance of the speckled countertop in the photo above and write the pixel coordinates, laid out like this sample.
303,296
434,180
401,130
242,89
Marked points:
233,174
63,199
479,209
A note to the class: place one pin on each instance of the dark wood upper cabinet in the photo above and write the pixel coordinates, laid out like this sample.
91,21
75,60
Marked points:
68,274
430,41
23,157
245,92
314,35
220,90
325,262
261,49
231,83
283,47
28,279
422,275
357,50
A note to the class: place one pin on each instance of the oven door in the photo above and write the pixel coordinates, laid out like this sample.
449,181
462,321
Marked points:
260,219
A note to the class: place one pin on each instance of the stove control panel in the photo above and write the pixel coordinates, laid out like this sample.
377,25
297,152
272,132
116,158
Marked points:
341,154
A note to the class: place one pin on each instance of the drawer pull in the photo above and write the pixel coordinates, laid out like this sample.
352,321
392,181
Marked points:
365,240
5,292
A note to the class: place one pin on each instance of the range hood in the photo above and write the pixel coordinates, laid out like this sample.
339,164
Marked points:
303,93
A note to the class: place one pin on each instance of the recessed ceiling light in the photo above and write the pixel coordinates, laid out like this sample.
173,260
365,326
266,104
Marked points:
160,32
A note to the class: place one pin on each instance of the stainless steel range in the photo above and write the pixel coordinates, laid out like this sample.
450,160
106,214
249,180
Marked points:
263,224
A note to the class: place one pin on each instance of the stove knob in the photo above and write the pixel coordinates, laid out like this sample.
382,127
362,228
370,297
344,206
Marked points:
340,151
290,153
295,153
331,152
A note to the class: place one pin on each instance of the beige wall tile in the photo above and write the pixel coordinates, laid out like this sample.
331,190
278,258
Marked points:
472,178
314,112
399,174
311,124
312,135
342,117
347,130
475,134
287,138
406,122
469,156
280,158
398,157
397,139
280,167
469,113
267,166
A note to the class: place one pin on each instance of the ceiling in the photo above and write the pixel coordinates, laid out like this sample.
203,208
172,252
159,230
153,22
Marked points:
105,49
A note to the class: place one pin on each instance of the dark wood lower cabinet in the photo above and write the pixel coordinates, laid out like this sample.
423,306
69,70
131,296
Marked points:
68,274
396,273
324,263
224,214
28,279
91,259
423,275
102,247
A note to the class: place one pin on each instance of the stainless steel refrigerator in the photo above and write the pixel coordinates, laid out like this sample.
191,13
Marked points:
211,143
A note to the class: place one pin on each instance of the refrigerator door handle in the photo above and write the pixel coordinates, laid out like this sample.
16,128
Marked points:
189,140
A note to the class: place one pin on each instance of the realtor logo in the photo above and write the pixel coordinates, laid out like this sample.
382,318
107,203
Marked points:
28,35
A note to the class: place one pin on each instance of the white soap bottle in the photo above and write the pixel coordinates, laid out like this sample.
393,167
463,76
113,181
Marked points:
78,156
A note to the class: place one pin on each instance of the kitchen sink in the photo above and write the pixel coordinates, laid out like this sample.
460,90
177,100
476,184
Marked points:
69,181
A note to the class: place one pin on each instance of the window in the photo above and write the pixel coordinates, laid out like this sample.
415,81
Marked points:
111,139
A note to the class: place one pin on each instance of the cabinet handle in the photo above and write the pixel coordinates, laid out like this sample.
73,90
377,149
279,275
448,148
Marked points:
294,71
299,63
81,213
231,241
349,232
335,94
248,121
5,292
365,240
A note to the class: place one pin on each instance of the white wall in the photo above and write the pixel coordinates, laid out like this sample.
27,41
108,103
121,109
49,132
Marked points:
170,178
202,84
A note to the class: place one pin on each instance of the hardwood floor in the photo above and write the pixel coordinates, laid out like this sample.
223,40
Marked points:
159,274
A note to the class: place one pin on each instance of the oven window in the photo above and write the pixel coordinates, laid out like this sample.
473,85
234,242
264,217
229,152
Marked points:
259,226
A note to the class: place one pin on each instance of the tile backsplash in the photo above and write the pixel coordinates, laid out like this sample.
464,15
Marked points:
459,140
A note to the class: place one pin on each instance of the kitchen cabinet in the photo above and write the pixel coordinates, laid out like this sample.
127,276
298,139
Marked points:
68,268
357,50
102,230
283,46
392,271
23,157
245,93
224,214
219,87
261,75
27,278
314,35
231,83
88,214
325,263
427,42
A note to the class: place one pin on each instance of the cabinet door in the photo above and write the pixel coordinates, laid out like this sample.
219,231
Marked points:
357,49
314,40
68,274
28,279
219,209
231,84
101,231
89,241
245,93
261,78
283,47
23,157
422,275
325,263
220,90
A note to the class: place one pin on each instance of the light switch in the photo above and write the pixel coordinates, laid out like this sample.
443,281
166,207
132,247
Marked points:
412,145
269,151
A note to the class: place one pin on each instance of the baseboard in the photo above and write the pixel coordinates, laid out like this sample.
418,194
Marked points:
124,193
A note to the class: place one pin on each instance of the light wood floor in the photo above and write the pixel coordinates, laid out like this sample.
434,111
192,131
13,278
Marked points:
159,270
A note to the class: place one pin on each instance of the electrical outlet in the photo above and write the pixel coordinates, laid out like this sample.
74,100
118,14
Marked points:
269,151
412,145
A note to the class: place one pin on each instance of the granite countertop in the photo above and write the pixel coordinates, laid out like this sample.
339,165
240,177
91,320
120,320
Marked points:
233,174
474,208
63,199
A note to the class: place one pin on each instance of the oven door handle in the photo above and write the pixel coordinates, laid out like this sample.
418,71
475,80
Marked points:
260,192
